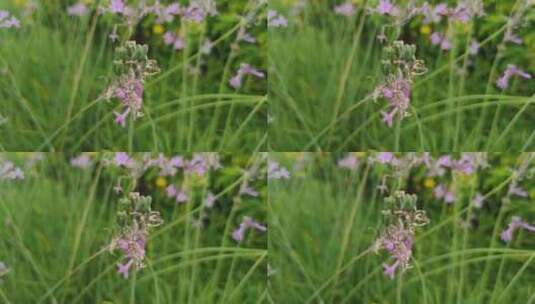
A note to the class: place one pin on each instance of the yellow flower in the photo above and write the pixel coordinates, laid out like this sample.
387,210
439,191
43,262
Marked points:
429,183
425,29
161,182
158,29
20,2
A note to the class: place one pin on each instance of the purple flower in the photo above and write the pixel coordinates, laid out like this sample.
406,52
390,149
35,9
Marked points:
385,157
276,20
510,71
388,117
82,161
181,197
8,21
116,6
478,200
473,49
390,270
440,39
248,38
276,171
350,162
210,200
516,222
385,7
124,268
171,191
78,9
245,69
246,189
122,159
9,171
346,9
176,41
239,234
441,192
120,118
516,190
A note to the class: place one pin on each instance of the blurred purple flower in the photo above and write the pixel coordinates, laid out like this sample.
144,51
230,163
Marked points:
210,200
117,6
478,200
78,9
346,9
385,7
473,49
8,21
239,234
350,162
245,69
124,269
9,171
276,171
82,161
276,20
510,71
170,191
516,223
122,159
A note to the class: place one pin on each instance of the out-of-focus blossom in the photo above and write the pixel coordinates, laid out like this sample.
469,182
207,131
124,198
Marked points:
516,190
276,20
385,157
117,6
82,161
433,14
245,69
346,9
7,20
385,7
478,200
210,200
9,171
239,234
510,71
276,171
473,49
350,162
122,159
176,41
79,9
440,39
246,189
441,192
516,223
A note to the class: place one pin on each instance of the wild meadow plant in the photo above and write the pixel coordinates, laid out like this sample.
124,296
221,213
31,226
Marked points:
103,227
401,75
183,75
384,227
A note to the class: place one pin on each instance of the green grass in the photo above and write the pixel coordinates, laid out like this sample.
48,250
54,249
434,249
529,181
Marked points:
55,68
58,222
324,67
324,220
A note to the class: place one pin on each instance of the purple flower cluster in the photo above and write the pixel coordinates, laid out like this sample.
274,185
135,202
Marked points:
171,39
442,192
397,239
78,9
179,195
7,20
276,171
82,161
440,39
245,69
129,91
239,234
510,71
345,9
516,223
276,20
350,162
397,92
9,171
135,219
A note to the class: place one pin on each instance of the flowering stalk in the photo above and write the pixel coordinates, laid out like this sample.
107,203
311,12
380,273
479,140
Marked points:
397,238
135,218
131,68
400,67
